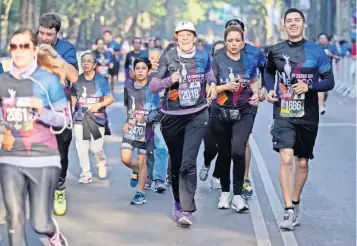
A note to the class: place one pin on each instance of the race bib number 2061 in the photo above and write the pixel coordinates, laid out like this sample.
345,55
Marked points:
292,105
18,118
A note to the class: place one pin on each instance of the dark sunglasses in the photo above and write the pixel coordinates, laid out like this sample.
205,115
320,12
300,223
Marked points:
20,46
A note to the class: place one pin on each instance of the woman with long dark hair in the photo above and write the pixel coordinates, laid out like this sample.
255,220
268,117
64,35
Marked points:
232,116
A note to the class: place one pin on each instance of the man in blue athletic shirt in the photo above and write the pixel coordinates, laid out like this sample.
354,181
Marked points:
297,69
49,26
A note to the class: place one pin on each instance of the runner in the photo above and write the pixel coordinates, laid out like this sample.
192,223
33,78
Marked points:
104,59
138,128
30,161
257,55
297,63
184,72
157,159
64,52
130,58
211,148
114,48
332,54
232,116
90,95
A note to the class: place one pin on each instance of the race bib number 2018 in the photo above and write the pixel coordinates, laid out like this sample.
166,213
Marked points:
190,90
292,105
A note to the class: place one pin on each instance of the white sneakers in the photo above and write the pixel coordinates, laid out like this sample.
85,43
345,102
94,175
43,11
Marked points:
224,200
238,202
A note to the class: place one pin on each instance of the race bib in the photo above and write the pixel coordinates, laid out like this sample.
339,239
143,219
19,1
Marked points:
292,105
17,113
190,89
137,130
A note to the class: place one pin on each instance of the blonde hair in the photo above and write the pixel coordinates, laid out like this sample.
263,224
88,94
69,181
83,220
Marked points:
47,62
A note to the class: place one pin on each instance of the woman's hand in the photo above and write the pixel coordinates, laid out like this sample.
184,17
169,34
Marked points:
37,103
254,100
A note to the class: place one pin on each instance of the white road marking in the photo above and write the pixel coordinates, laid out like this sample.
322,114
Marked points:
260,229
287,236
336,124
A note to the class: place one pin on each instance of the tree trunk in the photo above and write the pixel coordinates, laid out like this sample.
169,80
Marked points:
74,30
8,4
75,23
26,13
45,6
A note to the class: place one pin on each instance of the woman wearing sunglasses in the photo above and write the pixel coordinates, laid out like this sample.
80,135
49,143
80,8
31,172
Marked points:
183,73
33,101
90,95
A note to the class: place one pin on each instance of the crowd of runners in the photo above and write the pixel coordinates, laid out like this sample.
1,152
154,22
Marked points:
175,99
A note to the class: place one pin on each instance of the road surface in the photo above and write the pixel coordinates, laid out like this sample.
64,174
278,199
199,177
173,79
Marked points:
99,214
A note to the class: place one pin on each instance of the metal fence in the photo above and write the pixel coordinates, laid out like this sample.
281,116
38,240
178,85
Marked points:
345,77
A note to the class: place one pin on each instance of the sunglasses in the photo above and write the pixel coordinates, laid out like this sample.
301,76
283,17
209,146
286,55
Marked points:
20,46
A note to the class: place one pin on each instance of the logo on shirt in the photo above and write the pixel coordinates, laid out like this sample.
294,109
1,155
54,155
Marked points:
84,94
287,67
183,73
286,75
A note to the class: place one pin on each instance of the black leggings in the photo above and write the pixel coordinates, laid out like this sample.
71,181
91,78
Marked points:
211,149
64,141
232,139
40,184
183,135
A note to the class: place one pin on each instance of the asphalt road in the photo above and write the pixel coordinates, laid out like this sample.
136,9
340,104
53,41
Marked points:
99,214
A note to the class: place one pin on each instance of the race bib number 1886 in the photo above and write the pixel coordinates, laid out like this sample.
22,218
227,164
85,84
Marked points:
292,105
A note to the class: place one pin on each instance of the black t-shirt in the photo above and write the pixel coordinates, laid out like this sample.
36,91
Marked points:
226,69
304,60
88,93
131,56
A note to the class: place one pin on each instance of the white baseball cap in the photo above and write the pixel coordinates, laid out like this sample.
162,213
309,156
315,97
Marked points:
185,25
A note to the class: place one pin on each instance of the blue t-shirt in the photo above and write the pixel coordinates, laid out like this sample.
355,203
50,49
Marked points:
113,45
67,51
